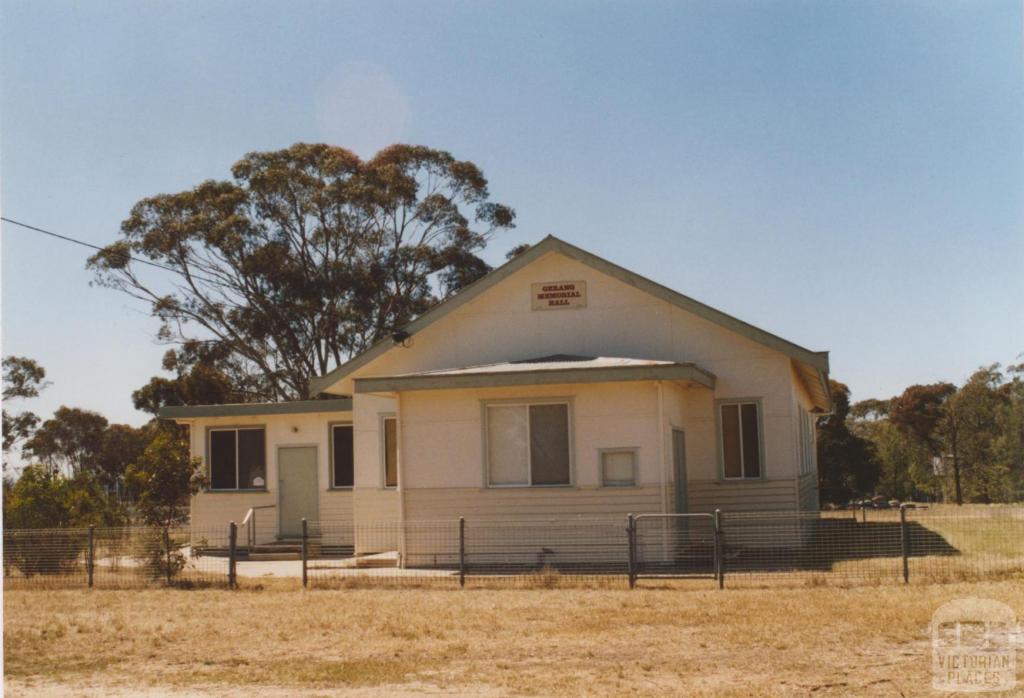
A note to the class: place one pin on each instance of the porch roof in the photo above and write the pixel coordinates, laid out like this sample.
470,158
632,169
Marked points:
546,370
256,408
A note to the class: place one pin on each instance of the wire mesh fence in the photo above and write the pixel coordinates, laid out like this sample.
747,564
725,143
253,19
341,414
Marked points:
936,544
123,557
947,544
546,553
675,546
382,554
762,547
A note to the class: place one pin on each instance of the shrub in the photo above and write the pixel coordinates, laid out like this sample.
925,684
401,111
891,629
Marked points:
163,479
41,499
52,551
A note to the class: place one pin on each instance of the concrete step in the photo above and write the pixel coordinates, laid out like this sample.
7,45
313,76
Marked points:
378,561
266,557
284,550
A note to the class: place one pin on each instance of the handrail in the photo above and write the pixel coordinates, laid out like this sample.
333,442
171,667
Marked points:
250,524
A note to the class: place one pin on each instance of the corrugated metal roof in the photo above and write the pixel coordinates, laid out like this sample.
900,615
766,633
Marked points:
546,370
256,408
555,362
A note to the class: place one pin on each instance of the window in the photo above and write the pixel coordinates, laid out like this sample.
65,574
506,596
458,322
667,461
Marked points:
618,467
739,423
528,444
342,460
389,426
807,447
238,459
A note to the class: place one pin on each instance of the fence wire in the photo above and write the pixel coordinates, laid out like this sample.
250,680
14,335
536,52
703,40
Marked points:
124,557
547,553
383,554
675,546
936,544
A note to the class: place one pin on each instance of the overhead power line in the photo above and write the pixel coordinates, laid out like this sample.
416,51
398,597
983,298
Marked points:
88,244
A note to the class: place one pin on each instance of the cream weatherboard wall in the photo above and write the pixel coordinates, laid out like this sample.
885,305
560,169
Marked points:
451,422
440,435
808,496
374,505
619,320
213,509
441,462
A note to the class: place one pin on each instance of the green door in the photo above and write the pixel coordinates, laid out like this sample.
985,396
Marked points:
297,488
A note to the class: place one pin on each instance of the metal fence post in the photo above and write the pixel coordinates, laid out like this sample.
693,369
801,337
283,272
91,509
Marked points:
719,550
905,543
167,555
90,560
305,552
863,513
631,538
462,551
232,554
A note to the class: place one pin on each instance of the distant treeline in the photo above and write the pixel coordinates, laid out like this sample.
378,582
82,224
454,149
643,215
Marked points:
936,442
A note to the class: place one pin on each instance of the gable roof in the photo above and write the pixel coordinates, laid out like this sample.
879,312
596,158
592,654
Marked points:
815,360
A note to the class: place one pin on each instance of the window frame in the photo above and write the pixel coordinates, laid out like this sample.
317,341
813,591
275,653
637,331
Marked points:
209,457
527,402
808,447
803,442
632,450
720,439
330,455
382,417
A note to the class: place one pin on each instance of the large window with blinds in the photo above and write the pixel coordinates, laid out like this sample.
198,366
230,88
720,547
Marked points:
528,444
238,459
739,426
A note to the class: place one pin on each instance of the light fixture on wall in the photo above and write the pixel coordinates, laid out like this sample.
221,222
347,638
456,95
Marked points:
401,338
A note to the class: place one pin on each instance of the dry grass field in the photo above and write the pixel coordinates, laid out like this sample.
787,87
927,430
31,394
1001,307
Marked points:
743,642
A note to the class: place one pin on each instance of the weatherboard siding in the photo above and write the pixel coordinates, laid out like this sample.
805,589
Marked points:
529,502
211,510
378,514
742,495
808,492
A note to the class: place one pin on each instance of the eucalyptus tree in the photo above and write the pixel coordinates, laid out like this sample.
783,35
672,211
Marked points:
304,257
22,378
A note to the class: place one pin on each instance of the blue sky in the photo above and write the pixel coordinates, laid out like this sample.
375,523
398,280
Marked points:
848,175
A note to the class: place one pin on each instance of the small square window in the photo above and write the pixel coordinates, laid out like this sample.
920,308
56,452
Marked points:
618,467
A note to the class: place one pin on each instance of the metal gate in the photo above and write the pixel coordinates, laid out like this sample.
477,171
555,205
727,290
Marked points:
675,546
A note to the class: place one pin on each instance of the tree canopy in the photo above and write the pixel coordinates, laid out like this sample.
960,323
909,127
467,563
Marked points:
847,464
305,257
940,441
68,442
23,378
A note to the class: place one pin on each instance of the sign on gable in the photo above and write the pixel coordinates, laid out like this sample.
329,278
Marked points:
555,295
